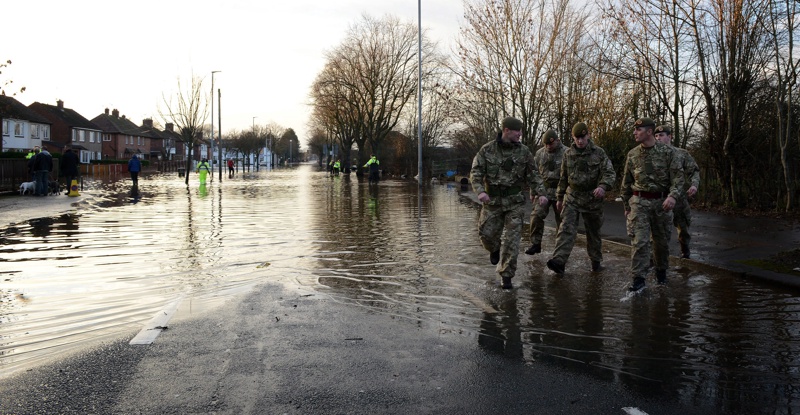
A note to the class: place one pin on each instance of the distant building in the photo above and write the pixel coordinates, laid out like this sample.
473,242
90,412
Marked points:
23,128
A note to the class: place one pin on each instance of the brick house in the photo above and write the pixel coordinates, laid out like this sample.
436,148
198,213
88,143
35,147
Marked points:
121,137
70,127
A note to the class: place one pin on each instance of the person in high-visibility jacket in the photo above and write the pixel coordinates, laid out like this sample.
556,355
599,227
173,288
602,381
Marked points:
336,167
374,166
203,168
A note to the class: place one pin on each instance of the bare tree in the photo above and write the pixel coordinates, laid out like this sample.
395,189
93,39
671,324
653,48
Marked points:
507,56
187,110
782,24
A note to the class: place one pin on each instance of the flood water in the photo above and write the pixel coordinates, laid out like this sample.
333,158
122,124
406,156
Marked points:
708,339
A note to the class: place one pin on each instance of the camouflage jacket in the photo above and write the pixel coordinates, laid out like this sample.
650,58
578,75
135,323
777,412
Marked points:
503,166
582,172
549,166
653,169
691,172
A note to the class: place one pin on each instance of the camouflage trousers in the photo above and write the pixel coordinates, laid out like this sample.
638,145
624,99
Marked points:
648,223
538,216
682,219
568,231
500,228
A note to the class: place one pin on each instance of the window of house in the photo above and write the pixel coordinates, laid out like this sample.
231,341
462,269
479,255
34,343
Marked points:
44,131
5,127
106,137
139,140
34,130
82,135
18,130
91,136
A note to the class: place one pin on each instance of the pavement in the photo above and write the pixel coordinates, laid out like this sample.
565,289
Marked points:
281,349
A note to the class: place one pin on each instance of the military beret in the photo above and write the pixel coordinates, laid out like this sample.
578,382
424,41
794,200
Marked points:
664,129
549,137
644,122
512,123
580,129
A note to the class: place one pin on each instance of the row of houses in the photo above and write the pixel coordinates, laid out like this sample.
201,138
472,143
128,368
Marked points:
106,136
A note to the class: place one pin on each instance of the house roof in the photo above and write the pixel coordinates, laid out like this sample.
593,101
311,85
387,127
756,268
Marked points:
114,124
11,108
69,116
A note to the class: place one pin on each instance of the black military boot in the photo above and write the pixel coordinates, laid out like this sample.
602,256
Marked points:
597,266
534,249
507,285
494,257
661,276
685,253
638,284
555,266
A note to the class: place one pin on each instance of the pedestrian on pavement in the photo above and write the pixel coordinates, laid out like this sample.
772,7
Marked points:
681,213
203,169
30,157
500,171
374,166
69,166
42,165
134,167
586,175
548,163
230,167
652,183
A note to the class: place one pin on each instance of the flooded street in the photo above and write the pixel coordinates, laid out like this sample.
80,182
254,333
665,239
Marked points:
706,339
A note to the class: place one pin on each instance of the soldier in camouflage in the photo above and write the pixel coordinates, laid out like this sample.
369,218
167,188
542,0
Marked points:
682,214
586,175
548,162
651,185
500,171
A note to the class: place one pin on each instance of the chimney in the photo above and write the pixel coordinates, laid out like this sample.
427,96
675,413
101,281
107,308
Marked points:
106,111
168,127
115,113
147,122
60,104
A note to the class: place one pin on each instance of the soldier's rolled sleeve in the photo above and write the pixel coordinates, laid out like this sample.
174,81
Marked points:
563,183
478,172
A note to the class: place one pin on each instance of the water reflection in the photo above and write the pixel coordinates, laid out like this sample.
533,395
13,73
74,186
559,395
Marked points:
708,340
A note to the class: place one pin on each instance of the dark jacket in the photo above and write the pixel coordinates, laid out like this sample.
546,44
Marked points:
134,165
69,164
42,161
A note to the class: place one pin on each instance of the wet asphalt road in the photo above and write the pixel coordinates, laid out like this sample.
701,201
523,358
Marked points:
286,351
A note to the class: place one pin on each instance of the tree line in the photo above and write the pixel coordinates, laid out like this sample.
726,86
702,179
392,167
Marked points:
722,73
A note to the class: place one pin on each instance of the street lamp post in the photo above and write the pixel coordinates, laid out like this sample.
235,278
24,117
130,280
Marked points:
290,152
254,132
212,128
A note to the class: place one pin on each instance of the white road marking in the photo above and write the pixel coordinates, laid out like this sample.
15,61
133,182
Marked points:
157,324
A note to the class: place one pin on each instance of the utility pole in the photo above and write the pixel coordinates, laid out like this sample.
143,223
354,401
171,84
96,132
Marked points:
212,130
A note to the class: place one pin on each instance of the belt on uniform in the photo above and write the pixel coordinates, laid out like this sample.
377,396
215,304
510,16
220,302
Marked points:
503,191
650,195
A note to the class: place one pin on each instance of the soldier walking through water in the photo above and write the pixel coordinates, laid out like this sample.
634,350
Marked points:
651,185
681,213
500,171
548,162
586,175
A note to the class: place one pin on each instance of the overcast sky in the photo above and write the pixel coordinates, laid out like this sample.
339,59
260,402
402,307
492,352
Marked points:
128,55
